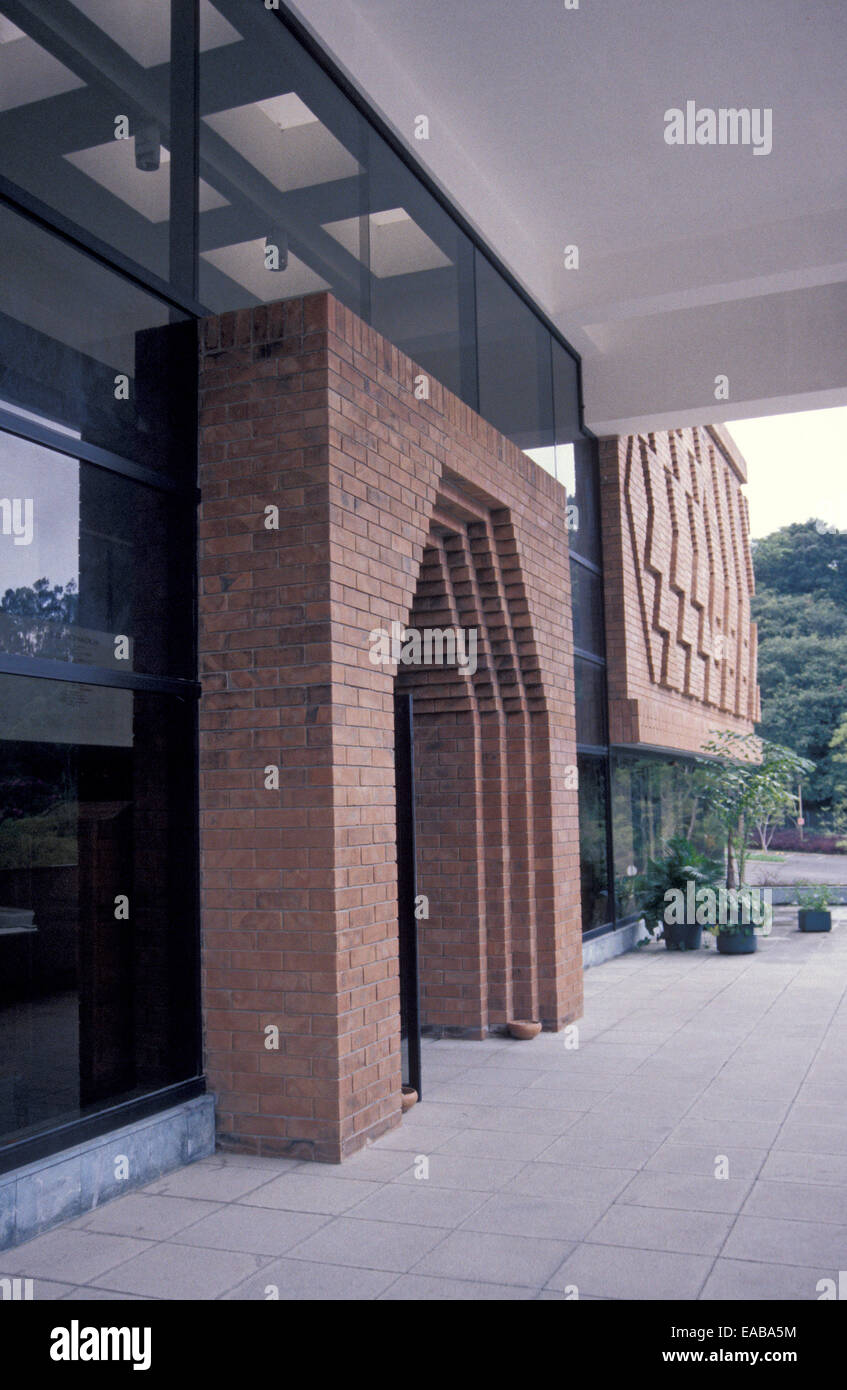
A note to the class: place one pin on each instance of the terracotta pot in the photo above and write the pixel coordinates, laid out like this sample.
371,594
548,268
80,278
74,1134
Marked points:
410,1097
524,1030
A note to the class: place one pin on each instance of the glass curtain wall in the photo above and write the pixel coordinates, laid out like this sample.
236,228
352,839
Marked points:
98,912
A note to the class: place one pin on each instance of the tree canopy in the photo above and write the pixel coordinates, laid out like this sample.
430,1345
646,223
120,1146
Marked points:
801,611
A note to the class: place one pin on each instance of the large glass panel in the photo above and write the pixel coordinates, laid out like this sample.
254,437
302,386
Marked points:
421,273
97,943
285,152
84,351
587,608
515,375
593,865
576,469
654,798
93,568
590,683
89,122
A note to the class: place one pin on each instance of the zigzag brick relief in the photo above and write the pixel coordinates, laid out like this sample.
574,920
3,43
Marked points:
679,581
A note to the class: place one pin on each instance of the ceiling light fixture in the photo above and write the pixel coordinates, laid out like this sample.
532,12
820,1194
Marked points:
148,147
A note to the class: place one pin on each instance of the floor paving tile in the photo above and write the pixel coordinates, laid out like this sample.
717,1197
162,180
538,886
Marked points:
798,1201
287,1280
251,1230
495,1258
608,1271
571,1183
554,1218
177,1272
423,1287
368,1244
769,1240
215,1182
310,1192
661,1228
744,1280
71,1254
685,1192
148,1217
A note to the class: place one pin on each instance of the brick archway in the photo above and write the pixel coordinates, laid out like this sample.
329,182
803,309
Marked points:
381,498
483,820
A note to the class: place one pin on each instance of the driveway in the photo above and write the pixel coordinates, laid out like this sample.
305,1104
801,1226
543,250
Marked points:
799,868
693,1145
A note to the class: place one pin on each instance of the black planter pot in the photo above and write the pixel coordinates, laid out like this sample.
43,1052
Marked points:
682,938
810,920
737,943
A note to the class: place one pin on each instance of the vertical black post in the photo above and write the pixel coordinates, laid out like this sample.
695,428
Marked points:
185,168
410,1029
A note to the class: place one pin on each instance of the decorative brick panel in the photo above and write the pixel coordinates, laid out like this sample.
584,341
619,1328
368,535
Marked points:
678,582
388,507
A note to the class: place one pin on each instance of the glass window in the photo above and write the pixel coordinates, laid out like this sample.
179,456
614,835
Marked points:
97,955
576,469
421,274
587,607
89,122
84,351
654,798
515,379
286,152
593,866
590,683
94,569
565,395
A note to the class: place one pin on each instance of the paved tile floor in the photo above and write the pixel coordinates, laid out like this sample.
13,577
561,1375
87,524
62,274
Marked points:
551,1168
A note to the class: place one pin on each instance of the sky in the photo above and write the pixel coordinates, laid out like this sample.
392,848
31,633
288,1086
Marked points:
796,467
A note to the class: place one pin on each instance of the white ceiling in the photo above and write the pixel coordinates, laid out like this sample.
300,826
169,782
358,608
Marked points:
547,129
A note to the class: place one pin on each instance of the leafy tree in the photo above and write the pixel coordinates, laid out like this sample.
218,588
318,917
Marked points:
749,780
804,558
36,620
801,611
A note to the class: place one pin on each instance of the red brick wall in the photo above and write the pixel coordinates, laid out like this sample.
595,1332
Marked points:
678,582
306,409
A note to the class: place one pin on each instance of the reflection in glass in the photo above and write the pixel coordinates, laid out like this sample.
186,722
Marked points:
593,869
104,559
590,688
654,798
285,151
85,117
96,938
93,355
515,374
587,608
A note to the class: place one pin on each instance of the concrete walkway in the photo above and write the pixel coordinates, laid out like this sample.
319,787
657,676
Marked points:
549,1169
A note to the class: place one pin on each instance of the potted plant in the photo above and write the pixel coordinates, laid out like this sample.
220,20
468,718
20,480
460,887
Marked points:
814,900
668,890
736,941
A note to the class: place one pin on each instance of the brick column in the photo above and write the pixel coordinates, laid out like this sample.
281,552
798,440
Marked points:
305,409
